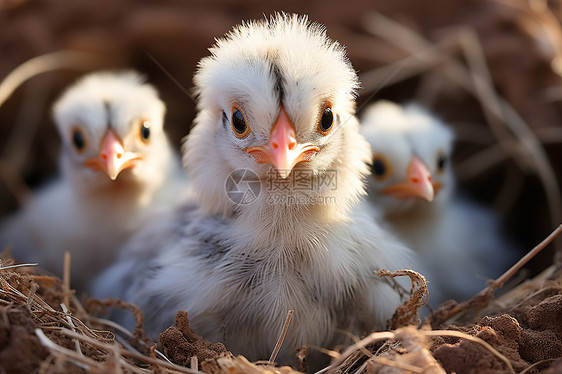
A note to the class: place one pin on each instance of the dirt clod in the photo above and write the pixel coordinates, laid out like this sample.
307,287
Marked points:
20,349
540,345
555,368
503,333
547,315
529,334
180,343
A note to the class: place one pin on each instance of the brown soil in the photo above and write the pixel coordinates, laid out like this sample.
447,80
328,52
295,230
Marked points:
20,349
502,332
180,343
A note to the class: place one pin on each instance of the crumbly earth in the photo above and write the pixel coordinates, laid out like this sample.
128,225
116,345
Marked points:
528,332
20,349
180,343
461,356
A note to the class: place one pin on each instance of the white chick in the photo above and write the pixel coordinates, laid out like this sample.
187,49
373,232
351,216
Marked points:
412,183
275,116
116,166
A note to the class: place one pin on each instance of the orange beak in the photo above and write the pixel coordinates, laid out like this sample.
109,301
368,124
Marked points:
112,158
283,151
418,183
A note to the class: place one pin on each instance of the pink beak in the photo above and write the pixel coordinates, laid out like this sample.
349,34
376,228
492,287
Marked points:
418,182
283,151
112,158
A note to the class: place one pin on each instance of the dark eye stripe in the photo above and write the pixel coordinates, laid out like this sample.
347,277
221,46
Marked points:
224,119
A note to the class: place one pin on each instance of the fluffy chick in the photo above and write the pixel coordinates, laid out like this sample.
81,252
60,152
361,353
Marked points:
413,186
116,166
275,116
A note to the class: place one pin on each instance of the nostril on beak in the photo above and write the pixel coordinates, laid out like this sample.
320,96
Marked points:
292,144
415,180
104,156
119,155
274,145
429,178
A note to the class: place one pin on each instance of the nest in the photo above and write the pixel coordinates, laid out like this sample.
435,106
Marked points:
45,328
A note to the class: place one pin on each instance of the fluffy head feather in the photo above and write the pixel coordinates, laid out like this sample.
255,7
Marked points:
259,68
397,134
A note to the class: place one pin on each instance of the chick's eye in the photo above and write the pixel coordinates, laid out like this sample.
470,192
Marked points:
239,125
326,121
441,162
380,168
144,131
78,140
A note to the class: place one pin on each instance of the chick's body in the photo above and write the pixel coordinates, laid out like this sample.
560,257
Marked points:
117,166
276,108
237,287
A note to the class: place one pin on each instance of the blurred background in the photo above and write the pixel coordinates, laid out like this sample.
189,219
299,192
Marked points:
491,68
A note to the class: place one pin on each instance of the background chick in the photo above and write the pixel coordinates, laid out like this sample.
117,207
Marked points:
116,166
413,186
276,109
